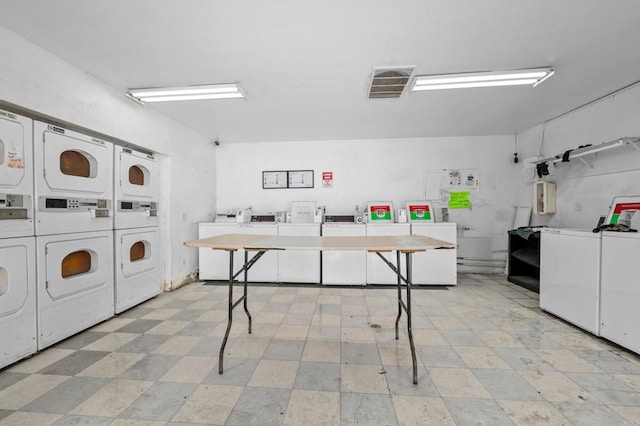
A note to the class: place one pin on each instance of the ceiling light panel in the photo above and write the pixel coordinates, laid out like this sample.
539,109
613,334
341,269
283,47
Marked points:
187,93
482,79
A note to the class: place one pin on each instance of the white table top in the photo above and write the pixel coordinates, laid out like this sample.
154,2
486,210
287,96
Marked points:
405,243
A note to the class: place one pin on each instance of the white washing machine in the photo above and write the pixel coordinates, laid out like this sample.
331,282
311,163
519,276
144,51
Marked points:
570,276
620,289
136,191
299,266
436,267
74,283
265,269
17,299
73,181
344,267
137,274
16,176
377,271
214,264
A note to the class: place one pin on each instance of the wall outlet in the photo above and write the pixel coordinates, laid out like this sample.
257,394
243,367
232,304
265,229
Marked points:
578,207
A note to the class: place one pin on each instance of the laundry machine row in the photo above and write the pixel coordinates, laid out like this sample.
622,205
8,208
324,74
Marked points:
58,185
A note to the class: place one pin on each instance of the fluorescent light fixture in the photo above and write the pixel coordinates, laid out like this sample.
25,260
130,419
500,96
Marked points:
482,79
188,93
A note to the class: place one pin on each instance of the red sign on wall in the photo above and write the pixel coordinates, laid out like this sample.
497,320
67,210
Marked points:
327,179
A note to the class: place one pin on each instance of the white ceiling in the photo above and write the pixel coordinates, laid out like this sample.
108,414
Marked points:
306,65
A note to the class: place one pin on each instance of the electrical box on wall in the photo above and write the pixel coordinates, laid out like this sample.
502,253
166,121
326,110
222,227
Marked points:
544,197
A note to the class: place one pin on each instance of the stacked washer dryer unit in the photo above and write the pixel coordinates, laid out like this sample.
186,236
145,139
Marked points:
136,232
18,332
74,231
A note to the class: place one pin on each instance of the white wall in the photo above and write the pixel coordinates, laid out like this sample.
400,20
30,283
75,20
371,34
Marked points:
584,193
378,170
34,79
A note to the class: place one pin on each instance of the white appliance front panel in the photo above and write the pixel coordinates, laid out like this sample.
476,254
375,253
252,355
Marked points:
17,299
214,264
136,202
379,272
265,270
299,266
72,304
570,277
344,267
16,176
136,280
435,267
620,289
50,143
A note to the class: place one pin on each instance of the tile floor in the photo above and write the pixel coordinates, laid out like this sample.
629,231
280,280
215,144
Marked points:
328,356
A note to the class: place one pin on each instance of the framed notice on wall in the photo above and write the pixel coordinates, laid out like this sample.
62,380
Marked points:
283,179
274,179
300,178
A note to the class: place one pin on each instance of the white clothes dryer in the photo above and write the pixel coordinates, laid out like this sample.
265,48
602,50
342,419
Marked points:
137,274
136,192
75,283
16,176
17,299
73,181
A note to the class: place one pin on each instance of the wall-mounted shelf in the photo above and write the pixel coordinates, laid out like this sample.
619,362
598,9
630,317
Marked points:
579,153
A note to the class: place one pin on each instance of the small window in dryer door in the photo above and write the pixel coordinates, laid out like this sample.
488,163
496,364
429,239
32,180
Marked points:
4,281
138,175
76,163
138,251
76,263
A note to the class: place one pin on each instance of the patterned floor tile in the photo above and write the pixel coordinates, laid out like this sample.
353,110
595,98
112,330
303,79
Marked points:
486,354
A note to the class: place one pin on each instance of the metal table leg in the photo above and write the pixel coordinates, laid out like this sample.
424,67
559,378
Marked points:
401,304
408,256
245,268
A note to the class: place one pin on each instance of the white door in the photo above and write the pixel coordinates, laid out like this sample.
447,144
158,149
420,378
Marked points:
16,176
17,299
137,175
75,283
138,275
75,163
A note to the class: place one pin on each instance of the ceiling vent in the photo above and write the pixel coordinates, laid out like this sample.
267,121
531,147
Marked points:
389,82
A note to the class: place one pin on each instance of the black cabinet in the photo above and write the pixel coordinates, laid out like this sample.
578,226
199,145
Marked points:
524,260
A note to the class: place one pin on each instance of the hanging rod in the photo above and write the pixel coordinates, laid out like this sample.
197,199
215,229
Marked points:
580,152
